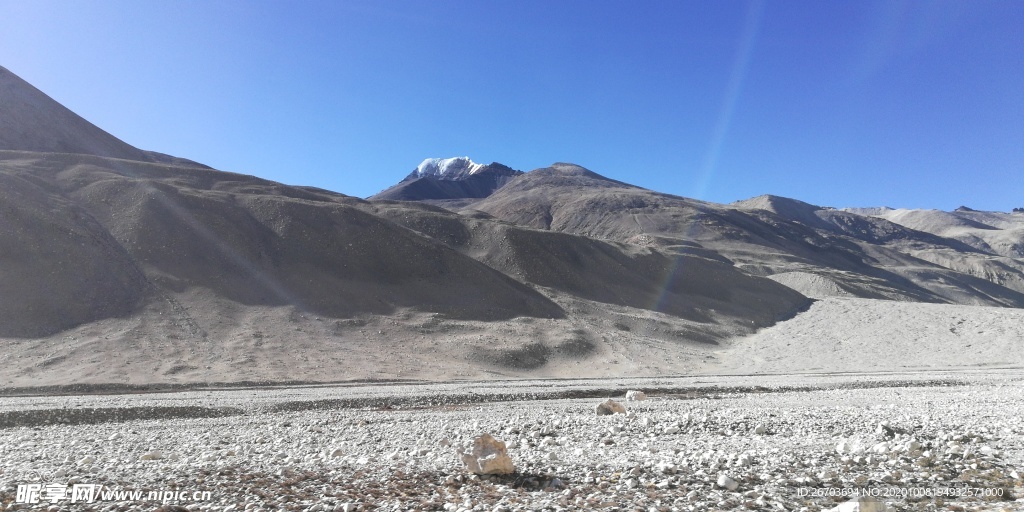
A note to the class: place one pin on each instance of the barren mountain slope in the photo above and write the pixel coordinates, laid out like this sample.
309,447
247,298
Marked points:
262,243
862,255
979,276
158,272
838,335
995,233
695,288
229,277
32,121
138,267
58,267
997,237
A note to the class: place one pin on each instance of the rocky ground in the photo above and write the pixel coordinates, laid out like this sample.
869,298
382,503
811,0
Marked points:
713,443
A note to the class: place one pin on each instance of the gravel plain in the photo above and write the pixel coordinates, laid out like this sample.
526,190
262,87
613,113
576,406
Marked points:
708,443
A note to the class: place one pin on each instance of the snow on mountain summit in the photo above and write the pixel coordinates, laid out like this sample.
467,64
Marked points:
449,178
447,168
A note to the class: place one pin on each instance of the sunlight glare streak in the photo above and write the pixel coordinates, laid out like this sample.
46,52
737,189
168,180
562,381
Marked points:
740,65
268,282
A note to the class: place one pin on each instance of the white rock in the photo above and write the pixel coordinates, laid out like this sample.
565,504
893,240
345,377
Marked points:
609,407
913,448
760,429
844,447
152,455
487,456
864,504
884,428
727,483
337,452
635,396
880,448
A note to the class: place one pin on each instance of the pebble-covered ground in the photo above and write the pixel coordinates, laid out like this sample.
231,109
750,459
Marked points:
693,449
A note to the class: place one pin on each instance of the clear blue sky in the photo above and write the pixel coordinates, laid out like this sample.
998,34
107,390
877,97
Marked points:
840,103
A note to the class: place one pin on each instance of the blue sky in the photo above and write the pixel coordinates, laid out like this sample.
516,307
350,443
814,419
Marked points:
908,104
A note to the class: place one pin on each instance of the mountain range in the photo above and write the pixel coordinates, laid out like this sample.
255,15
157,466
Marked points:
127,266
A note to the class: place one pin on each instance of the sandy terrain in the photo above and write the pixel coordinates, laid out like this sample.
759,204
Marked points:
857,335
833,335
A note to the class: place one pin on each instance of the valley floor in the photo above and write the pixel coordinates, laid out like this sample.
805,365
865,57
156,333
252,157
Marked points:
783,440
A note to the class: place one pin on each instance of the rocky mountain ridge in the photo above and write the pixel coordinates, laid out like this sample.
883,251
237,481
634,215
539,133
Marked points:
449,181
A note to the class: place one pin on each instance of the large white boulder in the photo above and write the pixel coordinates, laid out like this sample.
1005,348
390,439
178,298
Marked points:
863,504
609,407
635,396
725,482
487,456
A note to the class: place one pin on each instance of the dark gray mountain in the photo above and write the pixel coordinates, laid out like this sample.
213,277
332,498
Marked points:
449,179
32,121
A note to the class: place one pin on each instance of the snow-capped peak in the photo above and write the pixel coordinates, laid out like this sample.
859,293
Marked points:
447,168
